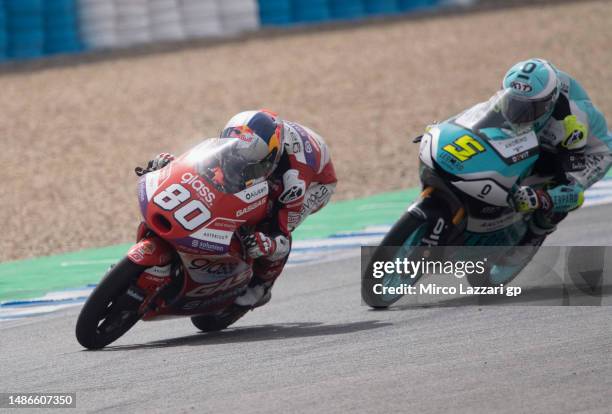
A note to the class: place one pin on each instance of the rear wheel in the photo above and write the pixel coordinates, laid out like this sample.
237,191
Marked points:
218,322
400,242
110,311
506,269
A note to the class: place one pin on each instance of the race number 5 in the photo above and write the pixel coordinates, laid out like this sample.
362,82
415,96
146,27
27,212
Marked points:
464,148
191,215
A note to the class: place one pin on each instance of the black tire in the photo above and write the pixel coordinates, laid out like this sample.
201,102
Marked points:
484,280
396,237
218,322
109,312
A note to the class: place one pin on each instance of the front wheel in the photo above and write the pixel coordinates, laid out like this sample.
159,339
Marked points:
110,311
403,238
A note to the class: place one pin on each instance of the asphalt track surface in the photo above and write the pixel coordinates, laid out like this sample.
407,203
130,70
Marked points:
315,348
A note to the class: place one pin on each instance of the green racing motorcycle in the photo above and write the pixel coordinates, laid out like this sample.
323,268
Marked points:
469,167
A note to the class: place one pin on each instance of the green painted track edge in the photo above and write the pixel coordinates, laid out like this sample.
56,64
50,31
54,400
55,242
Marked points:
30,278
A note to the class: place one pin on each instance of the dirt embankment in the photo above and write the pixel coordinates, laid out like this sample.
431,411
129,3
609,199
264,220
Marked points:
71,136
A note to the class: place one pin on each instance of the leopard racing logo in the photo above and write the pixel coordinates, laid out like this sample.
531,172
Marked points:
521,86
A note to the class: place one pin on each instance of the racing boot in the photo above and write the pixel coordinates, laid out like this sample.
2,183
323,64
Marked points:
541,225
257,294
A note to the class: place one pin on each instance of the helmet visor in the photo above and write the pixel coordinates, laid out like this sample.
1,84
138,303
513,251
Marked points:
520,110
260,170
227,163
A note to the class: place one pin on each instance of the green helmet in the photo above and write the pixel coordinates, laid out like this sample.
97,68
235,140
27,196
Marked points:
533,89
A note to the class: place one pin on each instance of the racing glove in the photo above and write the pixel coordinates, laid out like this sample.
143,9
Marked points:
527,200
259,245
160,161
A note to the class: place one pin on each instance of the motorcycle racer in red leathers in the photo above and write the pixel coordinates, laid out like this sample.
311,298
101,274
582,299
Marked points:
301,179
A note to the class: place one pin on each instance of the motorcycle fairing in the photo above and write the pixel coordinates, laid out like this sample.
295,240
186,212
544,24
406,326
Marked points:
482,159
221,214
198,217
151,251
491,158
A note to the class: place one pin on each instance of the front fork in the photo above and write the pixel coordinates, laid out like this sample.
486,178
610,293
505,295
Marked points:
445,217
151,251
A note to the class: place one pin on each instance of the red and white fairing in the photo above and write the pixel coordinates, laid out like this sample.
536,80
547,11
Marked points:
192,213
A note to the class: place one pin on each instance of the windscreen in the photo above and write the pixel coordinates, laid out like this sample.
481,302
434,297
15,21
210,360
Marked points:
504,110
222,162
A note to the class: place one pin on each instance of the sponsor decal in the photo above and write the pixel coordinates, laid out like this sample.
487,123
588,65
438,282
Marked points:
195,304
434,238
199,186
213,235
144,248
449,161
294,187
151,183
250,208
293,218
291,194
147,247
212,267
593,160
307,147
573,162
490,210
142,196
565,86
253,193
159,271
514,143
142,190
164,173
226,284
520,157
315,199
518,148
221,223
309,143
521,86
573,139
242,132
494,224
208,246
247,137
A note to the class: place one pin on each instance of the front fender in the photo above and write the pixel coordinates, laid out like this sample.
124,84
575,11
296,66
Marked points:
151,251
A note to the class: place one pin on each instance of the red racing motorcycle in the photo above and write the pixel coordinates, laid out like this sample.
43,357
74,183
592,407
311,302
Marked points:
189,259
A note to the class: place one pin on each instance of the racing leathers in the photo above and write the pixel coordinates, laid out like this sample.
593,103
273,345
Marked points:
575,149
302,184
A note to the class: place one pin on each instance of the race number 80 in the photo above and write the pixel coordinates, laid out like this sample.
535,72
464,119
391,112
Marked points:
191,215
